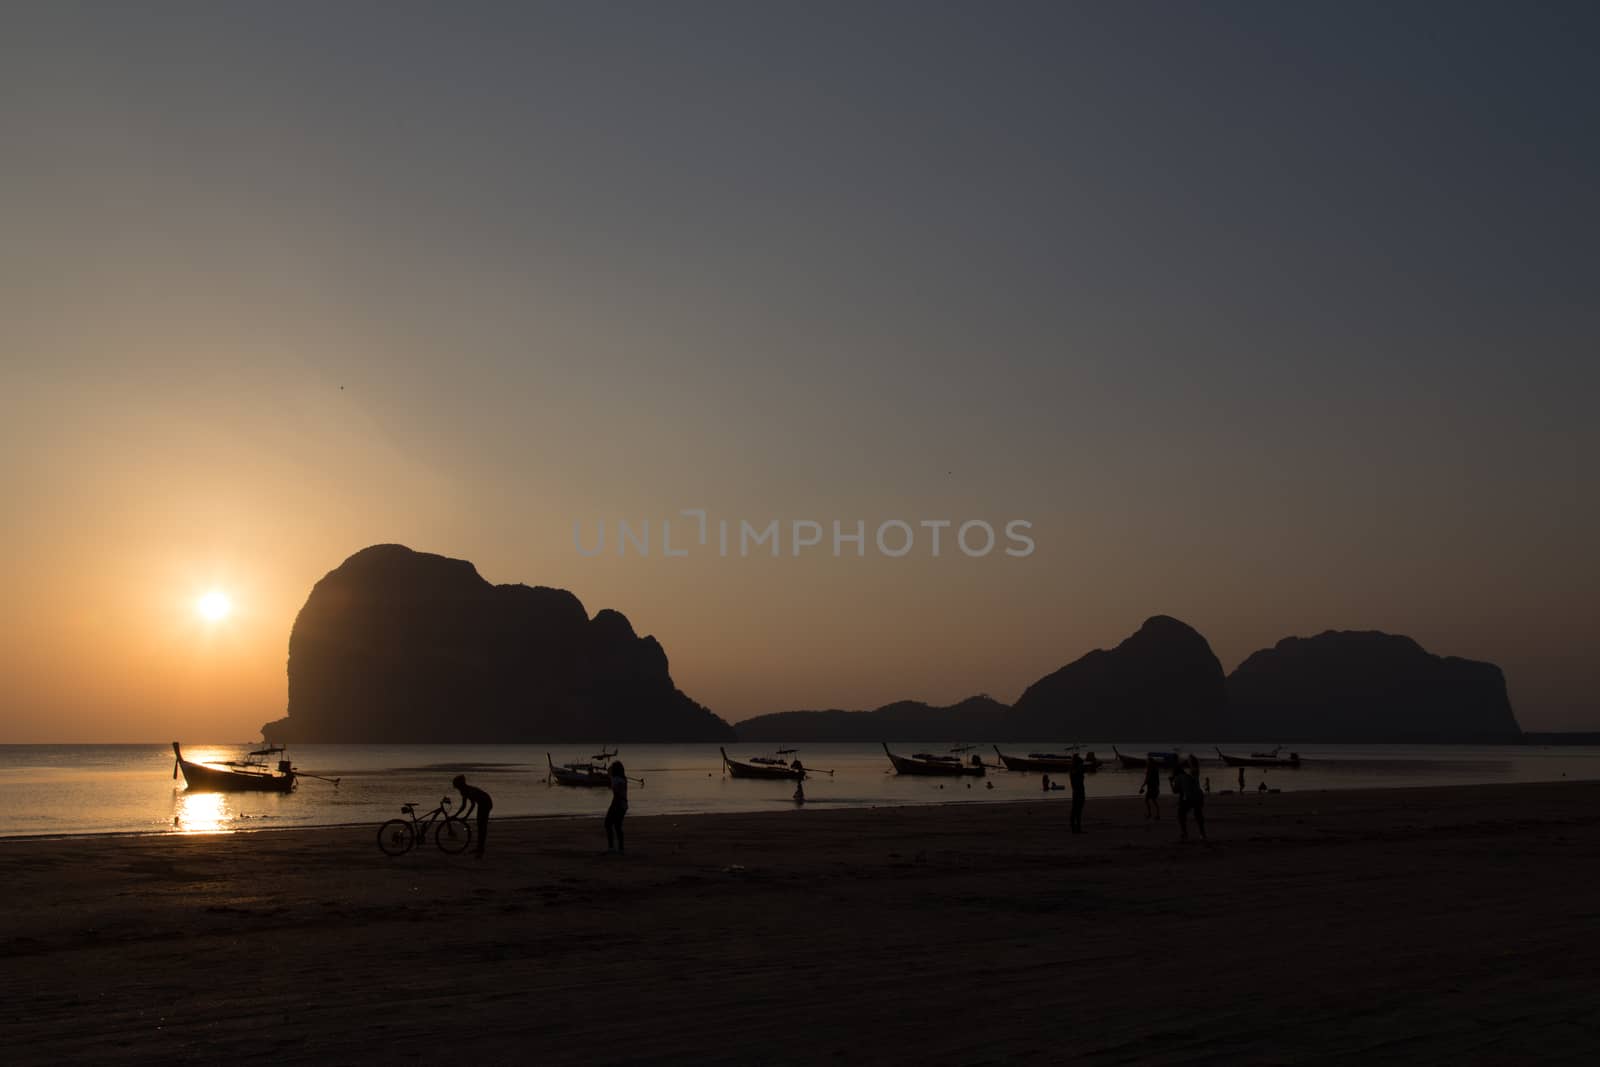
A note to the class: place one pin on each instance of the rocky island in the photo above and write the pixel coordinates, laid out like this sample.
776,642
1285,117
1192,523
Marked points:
1367,686
402,646
1160,683
1164,684
977,717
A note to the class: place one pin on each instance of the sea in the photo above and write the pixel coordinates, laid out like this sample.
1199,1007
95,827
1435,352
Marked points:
57,790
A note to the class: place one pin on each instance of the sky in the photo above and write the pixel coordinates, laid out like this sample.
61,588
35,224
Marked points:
1274,318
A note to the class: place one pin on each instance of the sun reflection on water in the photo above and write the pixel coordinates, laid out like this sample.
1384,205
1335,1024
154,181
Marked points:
202,813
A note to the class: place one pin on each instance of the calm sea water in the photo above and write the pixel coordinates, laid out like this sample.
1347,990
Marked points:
97,789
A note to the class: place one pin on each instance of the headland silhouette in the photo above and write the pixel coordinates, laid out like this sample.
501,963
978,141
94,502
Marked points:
405,646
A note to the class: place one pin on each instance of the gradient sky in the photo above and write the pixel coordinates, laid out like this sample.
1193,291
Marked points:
1273,317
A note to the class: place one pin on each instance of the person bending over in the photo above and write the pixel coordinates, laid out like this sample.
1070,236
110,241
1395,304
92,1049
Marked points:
474,799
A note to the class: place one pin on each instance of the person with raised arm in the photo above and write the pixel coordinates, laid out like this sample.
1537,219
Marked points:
618,808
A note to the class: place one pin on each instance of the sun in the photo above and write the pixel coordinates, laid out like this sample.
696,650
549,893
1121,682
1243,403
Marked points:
214,606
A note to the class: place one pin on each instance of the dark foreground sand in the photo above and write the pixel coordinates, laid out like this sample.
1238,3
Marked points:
1405,926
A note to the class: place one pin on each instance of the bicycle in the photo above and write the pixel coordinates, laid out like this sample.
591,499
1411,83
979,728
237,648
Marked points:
397,837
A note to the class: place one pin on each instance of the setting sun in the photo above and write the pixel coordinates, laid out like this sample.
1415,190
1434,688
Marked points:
214,606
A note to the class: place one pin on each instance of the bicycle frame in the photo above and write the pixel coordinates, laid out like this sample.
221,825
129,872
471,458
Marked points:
417,829
422,824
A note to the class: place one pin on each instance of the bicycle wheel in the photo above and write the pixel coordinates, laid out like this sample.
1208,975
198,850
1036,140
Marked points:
453,836
396,837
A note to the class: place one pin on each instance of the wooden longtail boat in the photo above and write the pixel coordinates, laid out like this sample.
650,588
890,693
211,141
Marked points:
768,767
1046,761
251,773
928,764
594,772
1262,759
1136,763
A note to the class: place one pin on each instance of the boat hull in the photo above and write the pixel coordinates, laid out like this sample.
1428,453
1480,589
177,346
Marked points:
202,779
1258,761
1139,763
1045,763
770,772
930,769
591,779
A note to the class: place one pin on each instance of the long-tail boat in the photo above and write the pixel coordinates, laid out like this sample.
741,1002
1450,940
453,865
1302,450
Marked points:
1047,761
593,772
778,766
1262,759
927,763
1137,763
250,773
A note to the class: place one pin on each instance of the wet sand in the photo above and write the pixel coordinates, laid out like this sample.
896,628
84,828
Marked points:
1416,925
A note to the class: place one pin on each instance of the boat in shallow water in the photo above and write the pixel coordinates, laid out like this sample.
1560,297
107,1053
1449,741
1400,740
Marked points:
1047,761
251,774
592,773
926,763
1262,759
1136,763
769,767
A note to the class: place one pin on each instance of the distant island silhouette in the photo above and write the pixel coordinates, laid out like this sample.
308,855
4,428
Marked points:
1350,685
975,717
404,646
1163,683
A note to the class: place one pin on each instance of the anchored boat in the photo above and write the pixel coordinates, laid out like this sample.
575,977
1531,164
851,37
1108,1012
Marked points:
251,773
1046,761
927,763
594,772
1135,763
1262,759
778,766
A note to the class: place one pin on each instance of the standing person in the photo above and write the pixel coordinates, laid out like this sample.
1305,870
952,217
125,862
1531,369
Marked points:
473,798
618,808
1152,789
1046,783
1241,779
1075,778
1191,801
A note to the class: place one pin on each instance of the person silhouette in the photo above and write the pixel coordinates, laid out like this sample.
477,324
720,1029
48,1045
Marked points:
1152,790
618,808
1046,783
1191,801
474,799
1241,779
1075,778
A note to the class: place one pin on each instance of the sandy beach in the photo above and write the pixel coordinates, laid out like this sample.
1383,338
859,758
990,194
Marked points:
1415,925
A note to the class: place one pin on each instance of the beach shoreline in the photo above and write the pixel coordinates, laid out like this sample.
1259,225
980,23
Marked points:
1404,924
777,806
